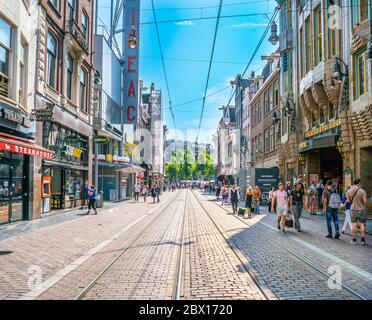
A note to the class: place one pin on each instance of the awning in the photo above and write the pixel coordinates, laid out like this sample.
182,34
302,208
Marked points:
13,144
131,168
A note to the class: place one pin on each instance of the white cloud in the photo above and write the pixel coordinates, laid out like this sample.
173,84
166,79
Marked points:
246,25
184,23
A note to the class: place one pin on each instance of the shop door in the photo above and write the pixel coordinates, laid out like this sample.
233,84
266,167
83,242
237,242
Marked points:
11,193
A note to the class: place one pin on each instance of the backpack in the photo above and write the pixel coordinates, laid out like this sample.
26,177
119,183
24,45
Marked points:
334,200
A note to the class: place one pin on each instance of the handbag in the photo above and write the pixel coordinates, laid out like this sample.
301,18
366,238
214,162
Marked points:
289,222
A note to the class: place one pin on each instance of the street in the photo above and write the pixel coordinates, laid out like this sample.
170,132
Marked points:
185,247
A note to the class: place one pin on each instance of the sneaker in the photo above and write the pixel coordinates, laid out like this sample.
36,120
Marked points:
329,236
363,242
337,235
299,230
354,242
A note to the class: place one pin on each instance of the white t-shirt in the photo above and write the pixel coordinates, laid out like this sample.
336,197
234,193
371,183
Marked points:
137,188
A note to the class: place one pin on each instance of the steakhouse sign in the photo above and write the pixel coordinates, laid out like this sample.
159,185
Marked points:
131,54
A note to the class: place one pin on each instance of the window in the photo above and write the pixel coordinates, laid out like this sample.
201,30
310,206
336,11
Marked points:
360,11
287,71
271,102
287,17
313,120
318,34
51,60
71,9
331,111
22,72
276,94
266,101
70,70
267,141
83,90
284,122
308,45
302,53
360,73
322,116
331,31
5,52
84,25
272,138
55,4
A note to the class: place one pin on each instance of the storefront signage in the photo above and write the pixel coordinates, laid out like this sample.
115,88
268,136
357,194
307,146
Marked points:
100,140
131,53
322,128
301,158
16,117
73,152
120,159
111,158
129,148
101,157
26,150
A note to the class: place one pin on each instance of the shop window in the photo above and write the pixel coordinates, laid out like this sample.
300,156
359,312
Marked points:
51,60
83,90
360,73
70,71
22,73
318,34
5,53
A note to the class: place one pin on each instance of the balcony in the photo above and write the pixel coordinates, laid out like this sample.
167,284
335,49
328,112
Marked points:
77,34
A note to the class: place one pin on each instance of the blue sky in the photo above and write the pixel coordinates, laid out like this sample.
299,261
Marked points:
192,40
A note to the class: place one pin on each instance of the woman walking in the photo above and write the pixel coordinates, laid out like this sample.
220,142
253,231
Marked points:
346,206
153,194
256,199
225,195
248,202
144,192
271,192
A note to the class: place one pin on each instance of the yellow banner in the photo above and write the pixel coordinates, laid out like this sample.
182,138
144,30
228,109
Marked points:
322,128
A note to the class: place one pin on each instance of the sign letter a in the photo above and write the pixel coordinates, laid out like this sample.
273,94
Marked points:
131,91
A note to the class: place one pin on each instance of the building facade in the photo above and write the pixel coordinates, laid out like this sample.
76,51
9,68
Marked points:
326,58
64,100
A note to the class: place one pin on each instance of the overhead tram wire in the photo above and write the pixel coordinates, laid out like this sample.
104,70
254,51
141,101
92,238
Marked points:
258,46
210,67
163,63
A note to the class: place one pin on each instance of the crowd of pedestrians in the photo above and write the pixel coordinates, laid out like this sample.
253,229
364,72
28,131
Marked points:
289,202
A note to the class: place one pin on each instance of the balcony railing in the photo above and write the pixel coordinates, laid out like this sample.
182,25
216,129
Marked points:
79,36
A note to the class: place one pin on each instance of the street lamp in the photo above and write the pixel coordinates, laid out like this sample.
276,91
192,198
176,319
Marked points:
132,39
340,75
274,38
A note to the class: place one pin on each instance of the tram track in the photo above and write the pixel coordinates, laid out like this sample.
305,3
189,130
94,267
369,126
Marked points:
297,255
177,281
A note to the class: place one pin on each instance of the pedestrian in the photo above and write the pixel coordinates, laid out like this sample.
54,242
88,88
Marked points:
234,198
347,207
86,195
280,197
248,203
144,192
92,194
158,190
137,190
225,195
313,196
320,189
357,197
296,204
271,202
288,188
153,194
331,204
218,191
256,199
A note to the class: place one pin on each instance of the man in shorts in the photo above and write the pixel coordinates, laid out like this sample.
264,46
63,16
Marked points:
281,198
358,199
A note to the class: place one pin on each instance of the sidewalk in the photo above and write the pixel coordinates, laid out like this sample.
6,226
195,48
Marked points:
47,220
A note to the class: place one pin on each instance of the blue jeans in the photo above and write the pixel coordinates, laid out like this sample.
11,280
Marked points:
332,214
257,207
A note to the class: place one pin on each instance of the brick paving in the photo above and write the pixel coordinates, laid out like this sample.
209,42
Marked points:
53,247
270,259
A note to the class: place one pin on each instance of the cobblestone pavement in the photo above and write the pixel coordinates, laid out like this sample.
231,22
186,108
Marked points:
287,275
139,245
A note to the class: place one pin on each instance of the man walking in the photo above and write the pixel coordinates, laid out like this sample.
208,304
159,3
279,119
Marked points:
92,196
296,204
137,190
331,204
234,198
157,190
358,199
256,199
281,198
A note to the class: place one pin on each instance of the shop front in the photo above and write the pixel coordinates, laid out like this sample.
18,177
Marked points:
323,159
67,173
